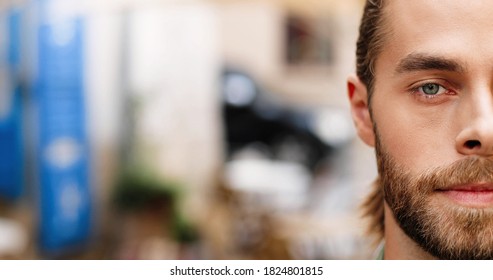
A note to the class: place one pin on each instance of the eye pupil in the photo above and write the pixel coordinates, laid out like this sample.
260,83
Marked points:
431,89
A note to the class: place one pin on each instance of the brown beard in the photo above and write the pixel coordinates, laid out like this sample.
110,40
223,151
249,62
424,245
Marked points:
445,230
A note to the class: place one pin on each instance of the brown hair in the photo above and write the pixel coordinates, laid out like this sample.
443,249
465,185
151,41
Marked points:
373,209
369,46
370,42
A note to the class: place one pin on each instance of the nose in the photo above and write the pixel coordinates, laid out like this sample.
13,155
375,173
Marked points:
476,138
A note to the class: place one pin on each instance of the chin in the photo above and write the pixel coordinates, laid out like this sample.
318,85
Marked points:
448,229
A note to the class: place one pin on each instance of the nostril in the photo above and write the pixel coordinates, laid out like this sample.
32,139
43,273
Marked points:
471,144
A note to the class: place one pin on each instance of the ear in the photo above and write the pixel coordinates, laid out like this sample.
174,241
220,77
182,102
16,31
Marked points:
358,98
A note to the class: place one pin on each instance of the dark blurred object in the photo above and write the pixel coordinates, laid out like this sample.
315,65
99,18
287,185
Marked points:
254,116
149,223
139,192
309,41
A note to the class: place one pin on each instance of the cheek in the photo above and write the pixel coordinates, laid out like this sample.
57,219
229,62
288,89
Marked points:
416,137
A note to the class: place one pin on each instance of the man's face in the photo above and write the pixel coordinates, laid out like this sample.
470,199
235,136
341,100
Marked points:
432,107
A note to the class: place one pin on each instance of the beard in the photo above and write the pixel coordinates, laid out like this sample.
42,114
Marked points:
444,229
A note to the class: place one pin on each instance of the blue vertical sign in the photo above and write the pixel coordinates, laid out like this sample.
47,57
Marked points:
63,147
11,141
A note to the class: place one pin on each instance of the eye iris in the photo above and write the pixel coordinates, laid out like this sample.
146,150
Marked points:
431,89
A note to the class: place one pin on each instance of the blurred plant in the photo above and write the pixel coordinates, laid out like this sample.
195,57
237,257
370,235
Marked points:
141,191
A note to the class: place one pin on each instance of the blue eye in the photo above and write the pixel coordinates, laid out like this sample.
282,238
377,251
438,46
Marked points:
431,92
431,89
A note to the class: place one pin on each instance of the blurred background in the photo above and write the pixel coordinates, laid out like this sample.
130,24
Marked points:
180,129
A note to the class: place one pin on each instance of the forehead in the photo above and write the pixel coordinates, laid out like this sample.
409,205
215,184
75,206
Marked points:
455,11
455,28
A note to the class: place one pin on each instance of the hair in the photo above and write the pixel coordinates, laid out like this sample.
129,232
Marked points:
373,210
369,45
370,42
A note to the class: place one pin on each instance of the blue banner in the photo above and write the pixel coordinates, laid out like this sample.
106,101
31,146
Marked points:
62,141
11,140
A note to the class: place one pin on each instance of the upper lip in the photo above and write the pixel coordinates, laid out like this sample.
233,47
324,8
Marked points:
472,187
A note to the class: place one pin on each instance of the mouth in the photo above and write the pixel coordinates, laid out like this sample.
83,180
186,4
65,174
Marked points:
478,195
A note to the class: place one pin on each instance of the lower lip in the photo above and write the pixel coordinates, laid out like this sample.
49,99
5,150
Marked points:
482,198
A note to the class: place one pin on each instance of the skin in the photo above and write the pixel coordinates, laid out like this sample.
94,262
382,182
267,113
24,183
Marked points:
443,42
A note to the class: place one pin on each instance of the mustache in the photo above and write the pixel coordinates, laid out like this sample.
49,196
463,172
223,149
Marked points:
466,171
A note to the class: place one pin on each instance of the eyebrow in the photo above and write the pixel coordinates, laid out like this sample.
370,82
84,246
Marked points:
422,62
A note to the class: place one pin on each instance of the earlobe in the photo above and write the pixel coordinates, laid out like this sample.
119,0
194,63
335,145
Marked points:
358,98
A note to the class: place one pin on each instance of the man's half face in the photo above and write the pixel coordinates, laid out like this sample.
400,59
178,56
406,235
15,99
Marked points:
433,110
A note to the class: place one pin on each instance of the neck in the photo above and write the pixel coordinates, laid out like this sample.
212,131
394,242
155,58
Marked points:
398,246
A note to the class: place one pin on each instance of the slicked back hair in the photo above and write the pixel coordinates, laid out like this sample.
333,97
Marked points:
372,33
370,42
